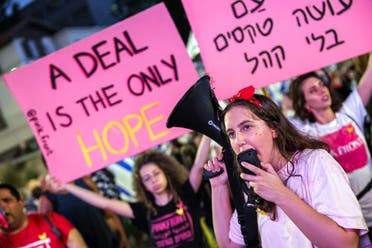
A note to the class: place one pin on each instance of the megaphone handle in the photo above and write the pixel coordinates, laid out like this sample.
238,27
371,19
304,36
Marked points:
210,174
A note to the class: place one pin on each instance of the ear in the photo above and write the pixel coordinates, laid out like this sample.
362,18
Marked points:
274,133
307,107
22,204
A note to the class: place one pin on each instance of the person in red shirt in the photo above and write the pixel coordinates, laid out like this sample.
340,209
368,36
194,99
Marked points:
33,230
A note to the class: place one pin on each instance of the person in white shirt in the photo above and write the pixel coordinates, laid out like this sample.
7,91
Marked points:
320,114
314,204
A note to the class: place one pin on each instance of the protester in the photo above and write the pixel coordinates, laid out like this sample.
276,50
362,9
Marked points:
314,204
82,215
33,230
321,114
167,207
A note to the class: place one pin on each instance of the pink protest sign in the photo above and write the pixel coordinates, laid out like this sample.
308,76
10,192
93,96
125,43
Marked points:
106,97
262,42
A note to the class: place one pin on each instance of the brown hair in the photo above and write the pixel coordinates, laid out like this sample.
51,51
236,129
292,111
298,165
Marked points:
298,98
289,140
13,190
175,173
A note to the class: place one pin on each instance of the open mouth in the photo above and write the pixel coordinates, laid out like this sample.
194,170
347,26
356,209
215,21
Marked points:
244,148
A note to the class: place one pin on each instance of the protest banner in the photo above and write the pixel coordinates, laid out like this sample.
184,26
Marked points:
258,43
106,97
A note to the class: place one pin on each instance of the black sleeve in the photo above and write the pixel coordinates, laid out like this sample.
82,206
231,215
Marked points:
140,219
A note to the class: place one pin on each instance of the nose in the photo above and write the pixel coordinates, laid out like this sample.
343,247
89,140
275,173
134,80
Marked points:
153,178
321,88
240,139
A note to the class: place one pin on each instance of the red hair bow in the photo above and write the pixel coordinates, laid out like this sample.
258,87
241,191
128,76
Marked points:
246,94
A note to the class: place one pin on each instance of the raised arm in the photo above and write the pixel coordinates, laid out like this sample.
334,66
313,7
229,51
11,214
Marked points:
97,200
45,205
75,240
365,83
221,207
201,157
317,227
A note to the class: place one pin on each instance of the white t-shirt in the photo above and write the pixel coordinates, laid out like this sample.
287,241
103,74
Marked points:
322,184
348,146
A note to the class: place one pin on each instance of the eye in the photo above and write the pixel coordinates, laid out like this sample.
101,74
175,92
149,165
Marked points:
146,178
246,127
7,200
312,90
156,173
230,134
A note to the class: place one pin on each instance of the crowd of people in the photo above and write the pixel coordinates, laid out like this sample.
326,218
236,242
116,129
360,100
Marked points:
315,168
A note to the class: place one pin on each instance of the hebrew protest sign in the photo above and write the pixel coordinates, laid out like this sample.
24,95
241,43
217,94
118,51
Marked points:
248,42
106,97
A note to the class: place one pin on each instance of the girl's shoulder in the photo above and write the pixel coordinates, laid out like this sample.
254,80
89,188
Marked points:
316,163
314,157
310,154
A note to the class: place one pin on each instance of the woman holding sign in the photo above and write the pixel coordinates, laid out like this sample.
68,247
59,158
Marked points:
314,204
340,124
167,207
